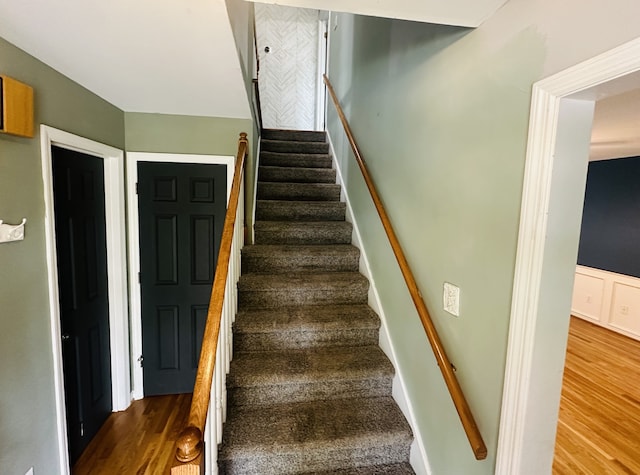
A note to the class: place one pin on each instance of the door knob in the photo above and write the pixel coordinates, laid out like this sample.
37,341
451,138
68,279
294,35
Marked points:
66,337
267,49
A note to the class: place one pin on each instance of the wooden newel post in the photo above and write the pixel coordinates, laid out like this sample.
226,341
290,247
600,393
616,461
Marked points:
189,444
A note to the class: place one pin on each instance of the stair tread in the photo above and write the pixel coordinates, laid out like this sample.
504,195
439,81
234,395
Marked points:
294,146
289,159
311,204
281,141
274,190
311,318
287,184
320,280
285,134
304,225
317,365
312,170
282,210
303,232
394,469
294,249
314,425
278,259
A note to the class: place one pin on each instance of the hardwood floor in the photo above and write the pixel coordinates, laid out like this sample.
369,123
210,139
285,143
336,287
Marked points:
599,423
137,441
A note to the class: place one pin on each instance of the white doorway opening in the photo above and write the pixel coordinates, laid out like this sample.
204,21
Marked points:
116,271
555,175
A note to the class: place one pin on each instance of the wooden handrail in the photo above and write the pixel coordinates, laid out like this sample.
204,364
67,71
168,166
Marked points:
468,422
190,442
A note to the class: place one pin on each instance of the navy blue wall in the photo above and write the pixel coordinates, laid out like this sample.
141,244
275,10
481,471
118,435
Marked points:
610,237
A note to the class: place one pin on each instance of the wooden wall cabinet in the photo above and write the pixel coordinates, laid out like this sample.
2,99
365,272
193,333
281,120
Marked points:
16,102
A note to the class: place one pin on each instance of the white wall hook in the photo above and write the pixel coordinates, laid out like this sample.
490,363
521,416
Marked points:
12,232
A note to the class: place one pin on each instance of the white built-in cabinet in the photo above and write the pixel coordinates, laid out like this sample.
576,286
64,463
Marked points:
607,299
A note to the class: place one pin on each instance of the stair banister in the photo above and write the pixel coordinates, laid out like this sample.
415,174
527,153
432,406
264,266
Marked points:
464,411
190,444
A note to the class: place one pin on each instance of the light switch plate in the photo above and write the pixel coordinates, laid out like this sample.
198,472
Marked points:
451,299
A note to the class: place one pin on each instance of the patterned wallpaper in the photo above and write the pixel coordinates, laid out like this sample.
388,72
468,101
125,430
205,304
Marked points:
288,72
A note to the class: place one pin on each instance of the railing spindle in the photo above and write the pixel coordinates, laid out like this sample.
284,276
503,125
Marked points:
209,392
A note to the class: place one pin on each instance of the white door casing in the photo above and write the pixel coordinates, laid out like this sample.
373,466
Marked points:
116,269
288,76
134,243
532,380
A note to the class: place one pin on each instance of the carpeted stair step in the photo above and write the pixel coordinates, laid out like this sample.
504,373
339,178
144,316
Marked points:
281,290
296,174
305,327
304,160
296,135
300,233
280,377
395,469
289,146
276,259
298,191
318,436
276,210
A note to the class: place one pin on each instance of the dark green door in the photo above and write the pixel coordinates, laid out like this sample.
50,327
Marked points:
81,250
181,208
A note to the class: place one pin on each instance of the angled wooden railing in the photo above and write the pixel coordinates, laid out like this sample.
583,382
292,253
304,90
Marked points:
468,422
215,354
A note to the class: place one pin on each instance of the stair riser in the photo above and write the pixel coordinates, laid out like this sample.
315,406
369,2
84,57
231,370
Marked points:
294,135
297,235
278,263
272,299
300,211
297,340
294,191
276,159
316,459
294,147
297,175
301,392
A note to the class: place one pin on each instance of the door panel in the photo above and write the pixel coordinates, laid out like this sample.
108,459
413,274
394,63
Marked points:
78,183
181,209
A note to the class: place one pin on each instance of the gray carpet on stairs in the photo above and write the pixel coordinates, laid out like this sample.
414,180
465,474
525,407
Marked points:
309,390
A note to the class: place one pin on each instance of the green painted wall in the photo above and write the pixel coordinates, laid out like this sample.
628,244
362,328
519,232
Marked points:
241,16
197,135
27,413
183,134
441,115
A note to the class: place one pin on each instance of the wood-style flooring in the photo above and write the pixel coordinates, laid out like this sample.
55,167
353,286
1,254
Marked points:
599,423
137,441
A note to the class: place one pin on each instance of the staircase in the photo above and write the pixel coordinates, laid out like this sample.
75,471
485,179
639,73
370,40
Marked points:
309,390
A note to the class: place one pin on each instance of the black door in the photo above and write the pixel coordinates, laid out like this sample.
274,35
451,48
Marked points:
78,184
182,208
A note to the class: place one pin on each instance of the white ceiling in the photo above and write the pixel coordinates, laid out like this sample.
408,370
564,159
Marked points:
174,56
447,12
164,56
616,127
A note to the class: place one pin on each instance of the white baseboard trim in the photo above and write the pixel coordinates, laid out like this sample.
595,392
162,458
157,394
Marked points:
418,456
